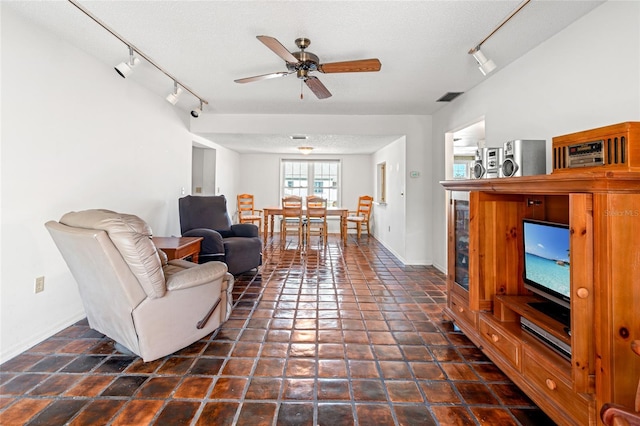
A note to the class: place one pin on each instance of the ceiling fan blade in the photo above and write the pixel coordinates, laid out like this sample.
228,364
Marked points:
317,87
262,77
362,65
278,48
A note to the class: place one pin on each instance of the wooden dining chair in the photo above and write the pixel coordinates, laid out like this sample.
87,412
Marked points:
362,215
292,221
247,213
316,219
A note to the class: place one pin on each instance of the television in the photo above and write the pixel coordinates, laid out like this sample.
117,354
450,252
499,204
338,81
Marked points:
546,266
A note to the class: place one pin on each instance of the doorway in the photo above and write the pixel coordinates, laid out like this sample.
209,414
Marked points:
203,171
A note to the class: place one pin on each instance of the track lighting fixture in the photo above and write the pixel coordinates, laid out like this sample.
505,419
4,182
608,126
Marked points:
126,68
172,98
487,65
484,65
196,112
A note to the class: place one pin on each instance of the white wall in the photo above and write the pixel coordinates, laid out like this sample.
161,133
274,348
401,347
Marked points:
414,240
389,218
75,136
587,76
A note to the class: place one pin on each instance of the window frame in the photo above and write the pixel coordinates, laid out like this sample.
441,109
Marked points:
311,178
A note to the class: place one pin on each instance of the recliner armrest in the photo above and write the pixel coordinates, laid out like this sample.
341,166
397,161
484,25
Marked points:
196,275
248,230
212,243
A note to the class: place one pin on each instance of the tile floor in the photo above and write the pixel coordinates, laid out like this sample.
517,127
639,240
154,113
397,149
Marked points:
334,336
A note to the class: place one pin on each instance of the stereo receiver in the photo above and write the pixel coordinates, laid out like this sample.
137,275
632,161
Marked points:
615,147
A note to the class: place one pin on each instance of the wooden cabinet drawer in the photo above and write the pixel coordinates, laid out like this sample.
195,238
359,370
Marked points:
461,309
556,387
500,340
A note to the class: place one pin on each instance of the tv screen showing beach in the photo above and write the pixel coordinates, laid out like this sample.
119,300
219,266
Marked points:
547,256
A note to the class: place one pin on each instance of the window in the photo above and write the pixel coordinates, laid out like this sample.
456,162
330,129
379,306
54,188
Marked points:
312,177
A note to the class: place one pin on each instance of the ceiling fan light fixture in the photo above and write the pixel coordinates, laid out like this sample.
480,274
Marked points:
172,98
305,150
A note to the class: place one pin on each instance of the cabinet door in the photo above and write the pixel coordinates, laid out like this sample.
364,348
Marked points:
461,242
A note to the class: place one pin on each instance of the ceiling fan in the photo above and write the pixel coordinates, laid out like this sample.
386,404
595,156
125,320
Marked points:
302,63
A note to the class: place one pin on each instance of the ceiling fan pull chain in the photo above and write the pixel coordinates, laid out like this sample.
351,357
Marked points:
301,88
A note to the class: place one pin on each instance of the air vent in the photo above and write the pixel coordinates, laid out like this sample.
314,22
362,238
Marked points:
449,96
298,137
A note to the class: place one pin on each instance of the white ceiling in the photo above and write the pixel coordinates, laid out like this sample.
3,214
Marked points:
422,45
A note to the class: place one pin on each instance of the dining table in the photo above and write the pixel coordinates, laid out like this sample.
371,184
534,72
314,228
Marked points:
270,212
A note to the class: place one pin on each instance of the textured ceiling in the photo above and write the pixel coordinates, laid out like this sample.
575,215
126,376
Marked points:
422,45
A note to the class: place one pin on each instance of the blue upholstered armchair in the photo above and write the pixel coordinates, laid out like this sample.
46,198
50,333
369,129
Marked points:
239,246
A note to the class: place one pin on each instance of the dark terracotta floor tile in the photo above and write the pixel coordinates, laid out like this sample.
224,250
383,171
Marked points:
269,367
510,394
238,367
194,388
97,412
218,414
440,392
304,336
458,371
403,391
115,364
22,384
158,387
409,415
264,388
218,349
90,386
452,416
296,414
444,354
493,416
395,370
363,369
335,414
359,351
177,413
83,364
256,414
473,354
55,385
206,366
489,372
332,368
299,389
228,388
23,410
300,367
388,352
124,386
331,351
333,389
138,412
380,412
382,338
52,363
476,393
58,412
246,349
22,362
302,350
368,390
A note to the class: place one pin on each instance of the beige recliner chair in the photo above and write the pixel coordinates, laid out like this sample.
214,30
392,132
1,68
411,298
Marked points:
131,293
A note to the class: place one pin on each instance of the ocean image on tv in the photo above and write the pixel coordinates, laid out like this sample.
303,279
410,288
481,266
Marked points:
547,256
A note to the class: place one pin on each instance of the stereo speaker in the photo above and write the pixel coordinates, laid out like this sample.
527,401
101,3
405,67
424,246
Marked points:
492,163
478,170
524,158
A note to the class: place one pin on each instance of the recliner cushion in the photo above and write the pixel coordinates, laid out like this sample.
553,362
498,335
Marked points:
132,237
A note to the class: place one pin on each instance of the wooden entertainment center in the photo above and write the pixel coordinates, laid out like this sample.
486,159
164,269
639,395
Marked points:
487,299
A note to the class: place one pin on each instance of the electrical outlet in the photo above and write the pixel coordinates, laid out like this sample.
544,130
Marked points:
39,284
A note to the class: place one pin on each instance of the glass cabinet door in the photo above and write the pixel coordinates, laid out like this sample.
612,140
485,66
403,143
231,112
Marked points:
461,240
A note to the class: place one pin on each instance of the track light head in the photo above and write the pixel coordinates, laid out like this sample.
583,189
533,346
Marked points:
126,68
484,65
196,112
172,98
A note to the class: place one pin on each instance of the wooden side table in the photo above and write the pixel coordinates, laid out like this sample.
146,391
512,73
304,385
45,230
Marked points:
179,247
